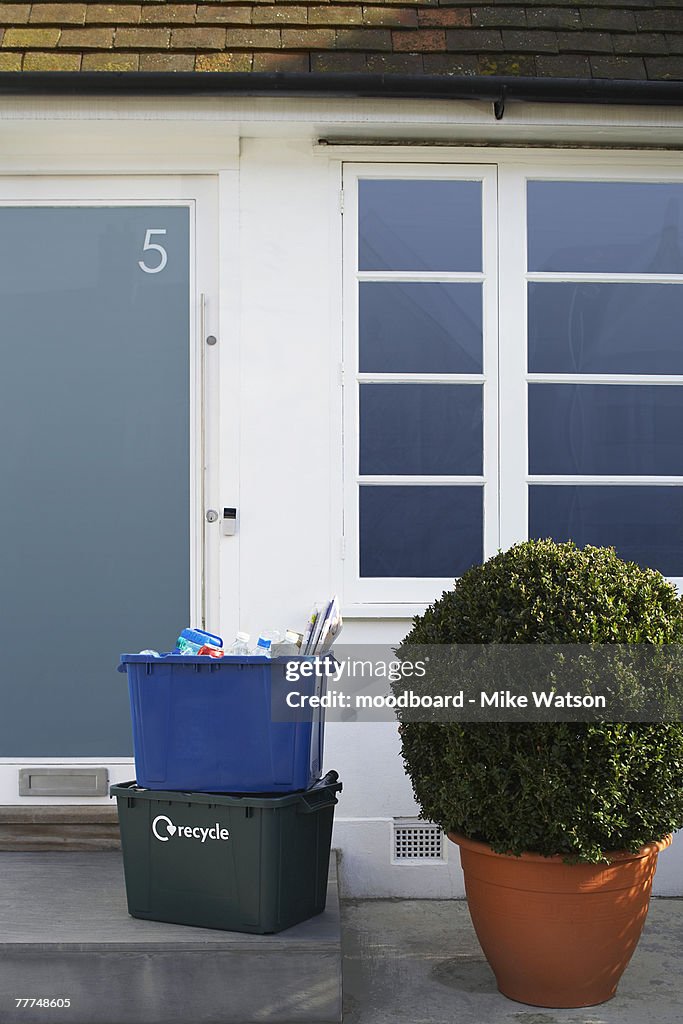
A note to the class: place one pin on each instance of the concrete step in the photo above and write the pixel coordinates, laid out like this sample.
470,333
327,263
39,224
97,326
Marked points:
75,827
65,933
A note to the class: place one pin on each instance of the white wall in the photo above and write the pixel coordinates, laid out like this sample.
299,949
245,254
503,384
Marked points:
286,357
280,345
285,434
289,426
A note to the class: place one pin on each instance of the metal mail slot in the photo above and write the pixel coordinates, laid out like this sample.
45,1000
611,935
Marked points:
63,782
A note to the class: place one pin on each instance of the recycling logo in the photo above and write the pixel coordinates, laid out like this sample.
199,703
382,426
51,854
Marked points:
164,830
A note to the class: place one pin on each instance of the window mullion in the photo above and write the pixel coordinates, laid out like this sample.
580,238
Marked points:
512,355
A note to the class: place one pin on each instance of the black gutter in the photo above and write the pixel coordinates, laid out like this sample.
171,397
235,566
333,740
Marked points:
494,89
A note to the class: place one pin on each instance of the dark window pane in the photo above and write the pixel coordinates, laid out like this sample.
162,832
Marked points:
414,429
583,327
420,531
609,429
420,327
644,524
605,226
419,225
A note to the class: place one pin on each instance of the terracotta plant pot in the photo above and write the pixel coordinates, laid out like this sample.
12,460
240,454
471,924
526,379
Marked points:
556,934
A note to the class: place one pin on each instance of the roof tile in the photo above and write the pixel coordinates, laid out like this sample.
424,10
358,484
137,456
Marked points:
585,42
392,17
58,14
112,14
448,17
198,38
499,17
353,63
41,61
28,38
614,20
566,38
530,42
14,14
618,67
674,44
659,21
423,40
167,61
298,62
253,38
110,62
396,63
664,68
87,38
506,65
333,14
474,40
365,38
642,43
553,17
450,64
566,65
142,38
168,14
10,61
224,62
226,14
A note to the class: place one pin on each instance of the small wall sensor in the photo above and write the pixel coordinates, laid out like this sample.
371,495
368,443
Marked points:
229,522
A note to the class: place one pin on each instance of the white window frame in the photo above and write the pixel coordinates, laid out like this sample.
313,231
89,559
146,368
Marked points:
506,478
399,590
515,478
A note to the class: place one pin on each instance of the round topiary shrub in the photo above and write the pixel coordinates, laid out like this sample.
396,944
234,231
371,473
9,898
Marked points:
575,789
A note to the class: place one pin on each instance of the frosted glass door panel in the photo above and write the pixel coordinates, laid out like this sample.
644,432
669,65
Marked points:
94,416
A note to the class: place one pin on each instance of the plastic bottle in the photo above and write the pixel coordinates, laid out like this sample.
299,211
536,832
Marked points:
240,645
265,642
289,647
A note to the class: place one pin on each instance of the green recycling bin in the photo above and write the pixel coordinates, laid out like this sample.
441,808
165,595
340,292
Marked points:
238,863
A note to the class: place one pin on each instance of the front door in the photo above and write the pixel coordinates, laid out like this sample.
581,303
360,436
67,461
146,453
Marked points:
101,402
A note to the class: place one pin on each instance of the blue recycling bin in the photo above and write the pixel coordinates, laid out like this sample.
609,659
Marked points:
202,724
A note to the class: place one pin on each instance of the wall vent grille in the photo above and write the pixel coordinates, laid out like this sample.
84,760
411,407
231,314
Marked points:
417,841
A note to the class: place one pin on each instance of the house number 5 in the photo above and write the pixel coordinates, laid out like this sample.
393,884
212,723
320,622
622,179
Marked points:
149,244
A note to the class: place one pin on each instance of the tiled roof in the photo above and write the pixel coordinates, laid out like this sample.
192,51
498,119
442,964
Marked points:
619,39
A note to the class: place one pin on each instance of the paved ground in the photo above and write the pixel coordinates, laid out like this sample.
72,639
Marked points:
65,935
405,961
418,962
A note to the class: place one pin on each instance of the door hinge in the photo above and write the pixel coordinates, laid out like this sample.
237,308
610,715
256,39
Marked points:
341,374
341,201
